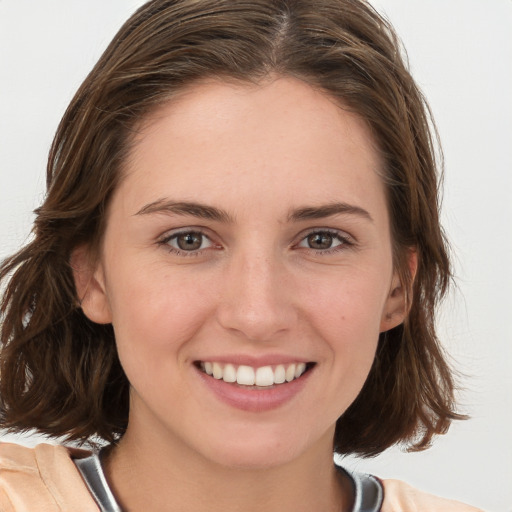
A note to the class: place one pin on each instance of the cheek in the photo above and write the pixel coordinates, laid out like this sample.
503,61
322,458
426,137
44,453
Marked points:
345,312
154,327
163,311
349,300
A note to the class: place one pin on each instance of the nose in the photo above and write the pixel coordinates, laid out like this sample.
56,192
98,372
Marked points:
256,300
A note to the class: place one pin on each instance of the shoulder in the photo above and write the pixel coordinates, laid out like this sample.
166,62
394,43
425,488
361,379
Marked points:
401,497
43,478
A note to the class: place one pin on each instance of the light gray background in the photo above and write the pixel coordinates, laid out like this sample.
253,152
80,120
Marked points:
461,54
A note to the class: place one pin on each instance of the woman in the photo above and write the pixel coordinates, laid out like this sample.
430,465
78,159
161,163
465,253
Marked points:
234,271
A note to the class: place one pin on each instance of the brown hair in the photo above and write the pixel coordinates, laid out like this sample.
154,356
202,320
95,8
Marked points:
60,373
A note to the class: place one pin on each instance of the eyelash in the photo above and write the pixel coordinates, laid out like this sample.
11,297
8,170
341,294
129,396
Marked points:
180,252
345,241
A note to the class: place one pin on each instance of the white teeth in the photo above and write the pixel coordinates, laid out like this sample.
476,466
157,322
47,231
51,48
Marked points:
208,368
245,375
290,373
279,374
217,371
263,376
229,373
301,368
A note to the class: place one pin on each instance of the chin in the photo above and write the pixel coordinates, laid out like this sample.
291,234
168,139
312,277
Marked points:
254,460
256,453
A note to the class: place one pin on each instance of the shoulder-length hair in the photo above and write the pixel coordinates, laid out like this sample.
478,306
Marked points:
60,373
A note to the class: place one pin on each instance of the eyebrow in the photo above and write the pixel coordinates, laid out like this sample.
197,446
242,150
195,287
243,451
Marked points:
203,211
198,210
328,210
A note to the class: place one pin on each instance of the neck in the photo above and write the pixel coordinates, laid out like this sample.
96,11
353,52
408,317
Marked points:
146,474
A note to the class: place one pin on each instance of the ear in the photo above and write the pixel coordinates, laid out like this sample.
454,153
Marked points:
398,302
90,286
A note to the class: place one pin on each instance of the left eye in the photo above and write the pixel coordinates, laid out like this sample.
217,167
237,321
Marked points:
322,240
189,241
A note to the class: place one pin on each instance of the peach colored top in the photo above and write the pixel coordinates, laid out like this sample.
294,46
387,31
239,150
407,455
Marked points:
45,479
42,479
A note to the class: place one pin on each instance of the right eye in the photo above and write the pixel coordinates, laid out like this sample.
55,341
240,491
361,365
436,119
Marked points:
187,241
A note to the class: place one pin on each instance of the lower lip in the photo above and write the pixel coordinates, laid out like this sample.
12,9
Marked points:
255,400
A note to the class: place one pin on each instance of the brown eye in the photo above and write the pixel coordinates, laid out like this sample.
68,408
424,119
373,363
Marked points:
188,241
326,241
320,241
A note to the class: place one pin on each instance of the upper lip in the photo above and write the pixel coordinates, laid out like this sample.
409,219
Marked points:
255,361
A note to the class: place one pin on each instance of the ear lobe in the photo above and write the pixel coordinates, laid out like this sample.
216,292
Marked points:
90,286
395,309
398,302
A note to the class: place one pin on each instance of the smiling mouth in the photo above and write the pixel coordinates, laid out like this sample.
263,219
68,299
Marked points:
255,378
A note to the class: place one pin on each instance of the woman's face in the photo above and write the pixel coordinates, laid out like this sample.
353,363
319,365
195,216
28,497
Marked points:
250,238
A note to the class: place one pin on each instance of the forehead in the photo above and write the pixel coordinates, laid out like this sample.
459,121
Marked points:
260,140
268,110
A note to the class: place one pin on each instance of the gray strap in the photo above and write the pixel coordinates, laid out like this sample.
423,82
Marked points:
92,473
368,492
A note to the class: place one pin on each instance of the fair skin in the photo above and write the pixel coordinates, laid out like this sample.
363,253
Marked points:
250,230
